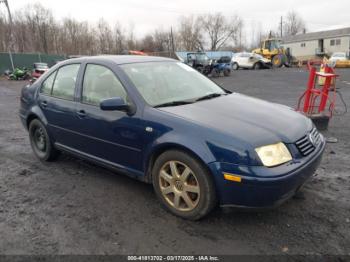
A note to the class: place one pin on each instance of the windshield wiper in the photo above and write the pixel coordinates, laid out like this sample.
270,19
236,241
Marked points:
174,103
209,96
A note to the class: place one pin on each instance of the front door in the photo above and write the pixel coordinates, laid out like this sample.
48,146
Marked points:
112,136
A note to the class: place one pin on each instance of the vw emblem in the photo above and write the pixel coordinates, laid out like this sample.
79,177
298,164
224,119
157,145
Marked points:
311,140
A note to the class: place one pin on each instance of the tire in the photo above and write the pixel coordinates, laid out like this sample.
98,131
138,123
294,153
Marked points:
200,69
41,142
214,72
235,66
227,72
192,203
277,61
257,66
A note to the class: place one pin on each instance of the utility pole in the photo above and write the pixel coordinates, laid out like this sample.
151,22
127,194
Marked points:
172,41
11,27
281,26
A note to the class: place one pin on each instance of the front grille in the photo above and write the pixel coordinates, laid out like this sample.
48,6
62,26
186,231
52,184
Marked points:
308,143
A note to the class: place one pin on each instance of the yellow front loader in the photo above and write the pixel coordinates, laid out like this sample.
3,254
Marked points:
271,49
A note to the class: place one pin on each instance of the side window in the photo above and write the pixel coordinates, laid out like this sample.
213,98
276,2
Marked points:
47,84
64,85
100,83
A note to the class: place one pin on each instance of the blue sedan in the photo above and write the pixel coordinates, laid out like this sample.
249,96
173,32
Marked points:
162,122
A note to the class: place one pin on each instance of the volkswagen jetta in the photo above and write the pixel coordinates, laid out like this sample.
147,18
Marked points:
162,122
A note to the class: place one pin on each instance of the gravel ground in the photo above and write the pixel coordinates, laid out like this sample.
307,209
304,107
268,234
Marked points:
74,207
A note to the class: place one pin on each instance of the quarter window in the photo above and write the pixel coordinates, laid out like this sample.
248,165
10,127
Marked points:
64,85
100,83
47,84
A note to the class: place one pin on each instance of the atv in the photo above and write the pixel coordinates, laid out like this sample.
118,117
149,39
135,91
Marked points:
20,74
222,65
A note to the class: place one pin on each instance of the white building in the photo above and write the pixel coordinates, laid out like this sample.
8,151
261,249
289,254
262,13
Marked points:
318,44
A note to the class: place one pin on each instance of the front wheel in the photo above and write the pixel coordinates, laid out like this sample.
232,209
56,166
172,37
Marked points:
183,185
235,66
257,66
215,72
40,141
277,60
227,72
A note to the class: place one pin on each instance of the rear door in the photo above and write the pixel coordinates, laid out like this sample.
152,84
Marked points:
57,101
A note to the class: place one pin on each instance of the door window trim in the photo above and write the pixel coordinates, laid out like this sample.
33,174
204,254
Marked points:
42,83
80,98
75,84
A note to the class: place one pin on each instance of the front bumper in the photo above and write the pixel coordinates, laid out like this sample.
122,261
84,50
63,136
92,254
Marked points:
260,186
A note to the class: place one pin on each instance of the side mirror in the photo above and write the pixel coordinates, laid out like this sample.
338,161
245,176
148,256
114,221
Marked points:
116,104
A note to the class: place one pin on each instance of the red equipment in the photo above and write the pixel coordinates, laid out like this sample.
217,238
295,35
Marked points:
318,100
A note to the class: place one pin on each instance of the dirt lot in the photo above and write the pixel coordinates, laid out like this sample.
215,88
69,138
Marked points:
73,207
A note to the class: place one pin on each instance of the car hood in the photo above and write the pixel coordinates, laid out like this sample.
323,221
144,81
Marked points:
337,58
252,120
266,61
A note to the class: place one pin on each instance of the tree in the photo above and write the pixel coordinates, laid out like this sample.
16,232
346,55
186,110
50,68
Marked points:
293,24
104,36
119,38
219,29
190,35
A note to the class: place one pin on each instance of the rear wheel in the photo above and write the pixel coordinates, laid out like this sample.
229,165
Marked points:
40,141
183,185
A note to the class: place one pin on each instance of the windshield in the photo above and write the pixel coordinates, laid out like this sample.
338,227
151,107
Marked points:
202,57
164,82
258,56
275,44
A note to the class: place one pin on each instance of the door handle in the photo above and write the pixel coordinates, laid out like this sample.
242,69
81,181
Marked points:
81,113
44,103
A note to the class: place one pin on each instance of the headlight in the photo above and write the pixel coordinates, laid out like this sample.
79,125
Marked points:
273,155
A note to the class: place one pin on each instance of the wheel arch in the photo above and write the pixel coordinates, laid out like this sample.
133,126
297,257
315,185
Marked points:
160,149
258,63
36,113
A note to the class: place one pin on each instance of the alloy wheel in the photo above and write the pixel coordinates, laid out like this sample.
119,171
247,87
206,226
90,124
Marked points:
179,186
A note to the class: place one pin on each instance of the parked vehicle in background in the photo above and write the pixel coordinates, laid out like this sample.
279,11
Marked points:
249,61
39,69
340,60
162,122
20,74
339,56
200,61
221,66
272,50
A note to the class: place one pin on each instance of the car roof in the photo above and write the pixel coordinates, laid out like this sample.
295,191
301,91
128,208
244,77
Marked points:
121,59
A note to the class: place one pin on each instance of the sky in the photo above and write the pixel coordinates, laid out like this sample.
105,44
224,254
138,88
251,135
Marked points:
146,15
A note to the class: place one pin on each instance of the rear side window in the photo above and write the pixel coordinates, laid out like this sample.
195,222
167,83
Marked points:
47,84
64,85
100,83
